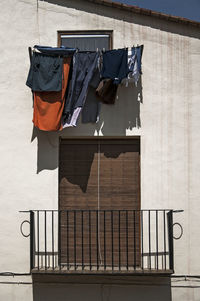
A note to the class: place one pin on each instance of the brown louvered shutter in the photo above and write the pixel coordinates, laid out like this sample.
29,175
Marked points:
100,175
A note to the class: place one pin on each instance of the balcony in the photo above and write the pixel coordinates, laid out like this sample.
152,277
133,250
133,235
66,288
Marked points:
123,242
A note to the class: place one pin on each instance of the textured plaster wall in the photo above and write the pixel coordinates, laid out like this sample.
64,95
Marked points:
169,114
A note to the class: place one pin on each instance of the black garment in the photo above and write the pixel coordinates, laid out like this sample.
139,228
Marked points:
115,65
84,66
107,91
45,73
66,51
92,106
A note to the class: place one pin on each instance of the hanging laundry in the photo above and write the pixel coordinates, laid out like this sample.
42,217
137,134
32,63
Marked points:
107,91
115,65
84,66
66,51
135,64
48,106
45,73
92,106
62,91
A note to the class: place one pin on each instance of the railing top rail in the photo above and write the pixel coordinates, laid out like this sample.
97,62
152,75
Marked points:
101,210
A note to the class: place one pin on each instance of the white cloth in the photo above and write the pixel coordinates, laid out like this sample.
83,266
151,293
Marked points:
74,118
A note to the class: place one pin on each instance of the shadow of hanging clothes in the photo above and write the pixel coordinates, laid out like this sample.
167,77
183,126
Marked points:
78,158
124,114
115,148
47,149
48,146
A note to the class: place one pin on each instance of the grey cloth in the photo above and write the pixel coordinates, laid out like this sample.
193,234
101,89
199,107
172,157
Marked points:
91,109
45,73
92,106
84,66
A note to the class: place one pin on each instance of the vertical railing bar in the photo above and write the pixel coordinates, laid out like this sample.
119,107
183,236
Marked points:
59,239
38,239
75,239
82,240
149,239
134,240
45,238
32,265
48,262
104,227
164,212
127,240
171,242
119,238
97,239
52,219
67,217
157,239
90,241
112,249
142,242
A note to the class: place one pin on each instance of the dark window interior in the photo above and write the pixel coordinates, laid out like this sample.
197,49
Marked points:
86,40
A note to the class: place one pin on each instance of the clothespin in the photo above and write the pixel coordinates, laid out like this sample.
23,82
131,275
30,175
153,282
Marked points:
97,49
104,50
30,53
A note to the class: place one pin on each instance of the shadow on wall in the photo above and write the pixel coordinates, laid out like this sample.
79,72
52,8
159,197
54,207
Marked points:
47,149
130,17
100,292
114,121
124,114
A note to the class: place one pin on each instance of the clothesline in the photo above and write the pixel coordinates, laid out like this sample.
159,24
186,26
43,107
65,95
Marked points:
35,48
67,82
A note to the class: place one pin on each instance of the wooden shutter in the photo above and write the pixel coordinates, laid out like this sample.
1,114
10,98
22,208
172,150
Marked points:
99,174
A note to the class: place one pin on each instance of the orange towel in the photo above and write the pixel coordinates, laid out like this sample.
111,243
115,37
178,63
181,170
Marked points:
48,106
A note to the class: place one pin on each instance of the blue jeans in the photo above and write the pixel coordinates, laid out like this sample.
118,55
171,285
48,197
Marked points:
84,66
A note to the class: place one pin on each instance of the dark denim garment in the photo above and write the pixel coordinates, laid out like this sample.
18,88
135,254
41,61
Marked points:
137,55
92,106
115,65
55,50
84,66
45,73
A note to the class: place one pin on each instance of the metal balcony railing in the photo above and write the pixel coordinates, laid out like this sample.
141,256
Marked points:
101,241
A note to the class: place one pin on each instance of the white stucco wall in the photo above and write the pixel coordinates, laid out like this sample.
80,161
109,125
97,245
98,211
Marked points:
170,114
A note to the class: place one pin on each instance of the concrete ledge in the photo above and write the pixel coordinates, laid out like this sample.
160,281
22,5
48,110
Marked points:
98,278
